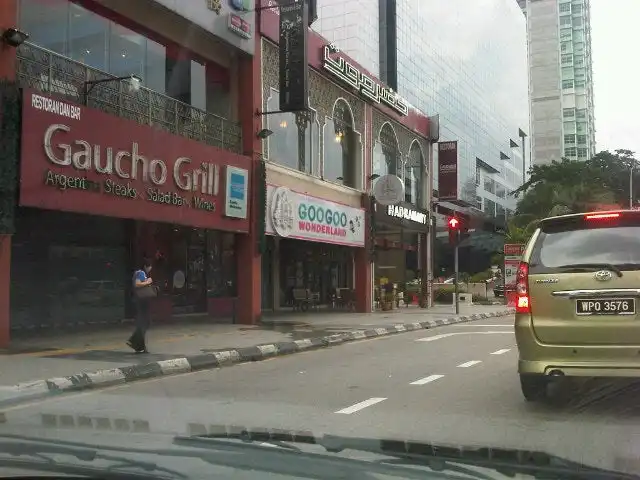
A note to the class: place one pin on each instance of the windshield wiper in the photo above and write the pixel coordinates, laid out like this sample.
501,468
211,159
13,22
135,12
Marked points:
608,266
35,454
441,458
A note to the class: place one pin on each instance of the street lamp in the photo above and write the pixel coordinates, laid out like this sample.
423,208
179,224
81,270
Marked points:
133,81
631,171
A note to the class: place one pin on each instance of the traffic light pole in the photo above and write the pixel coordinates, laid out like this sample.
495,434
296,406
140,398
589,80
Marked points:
455,280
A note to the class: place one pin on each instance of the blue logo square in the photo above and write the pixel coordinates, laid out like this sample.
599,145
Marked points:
237,187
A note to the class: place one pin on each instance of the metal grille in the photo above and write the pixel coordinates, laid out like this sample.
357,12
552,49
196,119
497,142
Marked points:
57,75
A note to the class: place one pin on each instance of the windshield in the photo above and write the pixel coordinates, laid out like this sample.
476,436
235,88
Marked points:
319,239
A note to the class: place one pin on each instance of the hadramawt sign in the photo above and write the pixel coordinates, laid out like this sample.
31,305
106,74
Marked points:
407,214
363,83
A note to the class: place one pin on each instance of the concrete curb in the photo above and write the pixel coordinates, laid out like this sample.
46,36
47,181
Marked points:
38,389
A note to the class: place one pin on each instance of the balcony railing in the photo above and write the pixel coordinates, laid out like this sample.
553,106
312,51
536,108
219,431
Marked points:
57,75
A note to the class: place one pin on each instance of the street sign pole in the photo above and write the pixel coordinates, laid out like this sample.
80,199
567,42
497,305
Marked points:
455,281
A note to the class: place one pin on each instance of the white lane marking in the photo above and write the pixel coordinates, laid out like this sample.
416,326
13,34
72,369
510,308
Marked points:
501,351
469,364
425,380
484,325
361,405
445,335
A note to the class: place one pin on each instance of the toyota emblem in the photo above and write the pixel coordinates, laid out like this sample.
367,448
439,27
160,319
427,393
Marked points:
603,275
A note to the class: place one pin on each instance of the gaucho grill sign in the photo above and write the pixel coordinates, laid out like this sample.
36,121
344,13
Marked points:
78,159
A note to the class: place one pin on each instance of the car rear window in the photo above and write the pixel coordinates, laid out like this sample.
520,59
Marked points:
616,245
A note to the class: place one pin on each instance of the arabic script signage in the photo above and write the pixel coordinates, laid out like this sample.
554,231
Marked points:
366,86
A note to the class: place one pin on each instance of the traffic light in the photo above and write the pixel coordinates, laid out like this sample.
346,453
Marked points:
454,231
458,230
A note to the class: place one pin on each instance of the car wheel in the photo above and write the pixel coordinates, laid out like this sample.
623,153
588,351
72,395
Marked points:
534,387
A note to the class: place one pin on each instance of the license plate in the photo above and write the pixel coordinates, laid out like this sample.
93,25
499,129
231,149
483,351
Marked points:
612,306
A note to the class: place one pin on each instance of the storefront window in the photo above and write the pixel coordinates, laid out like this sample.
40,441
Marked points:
127,51
221,265
86,37
68,268
46,22
412,172
294,142
341,147
386,153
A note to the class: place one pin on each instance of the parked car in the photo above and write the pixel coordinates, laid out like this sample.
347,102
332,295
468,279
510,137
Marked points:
498,288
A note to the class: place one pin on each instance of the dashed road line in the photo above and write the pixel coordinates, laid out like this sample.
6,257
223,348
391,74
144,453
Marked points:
359,406
461,325
425,380
501,351
469,364
446,335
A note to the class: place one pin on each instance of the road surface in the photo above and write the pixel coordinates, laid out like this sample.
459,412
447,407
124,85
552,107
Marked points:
454,385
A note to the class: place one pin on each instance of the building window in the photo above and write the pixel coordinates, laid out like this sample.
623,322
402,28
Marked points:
565,8
387,152
565,34
570,152
565,21
295,140
86,37
489,185
577,21
578,61
567,84
490,207
341,147
569,127
565,47
568,112
412,173
582,139
582,152
478,176
581,127
567,59
501,191
570,139
221,264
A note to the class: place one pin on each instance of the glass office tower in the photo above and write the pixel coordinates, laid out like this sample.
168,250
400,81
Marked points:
464,60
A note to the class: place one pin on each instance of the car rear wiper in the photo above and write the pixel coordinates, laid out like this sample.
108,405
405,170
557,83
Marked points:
608,266
441,458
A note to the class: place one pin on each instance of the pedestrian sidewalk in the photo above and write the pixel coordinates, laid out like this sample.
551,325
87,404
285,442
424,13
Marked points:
67,354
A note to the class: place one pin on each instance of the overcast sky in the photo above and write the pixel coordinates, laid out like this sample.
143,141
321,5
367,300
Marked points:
616,68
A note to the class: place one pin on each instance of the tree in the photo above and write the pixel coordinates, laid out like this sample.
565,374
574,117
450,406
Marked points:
572,186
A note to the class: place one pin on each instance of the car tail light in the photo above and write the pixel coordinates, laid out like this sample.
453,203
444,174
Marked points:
523,304
602,216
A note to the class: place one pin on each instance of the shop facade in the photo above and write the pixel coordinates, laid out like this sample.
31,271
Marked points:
93,202
327,159
401,237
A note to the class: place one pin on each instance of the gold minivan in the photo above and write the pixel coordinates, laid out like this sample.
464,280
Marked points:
577,293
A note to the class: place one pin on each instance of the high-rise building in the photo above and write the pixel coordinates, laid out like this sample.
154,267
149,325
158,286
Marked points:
464,60
560,79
